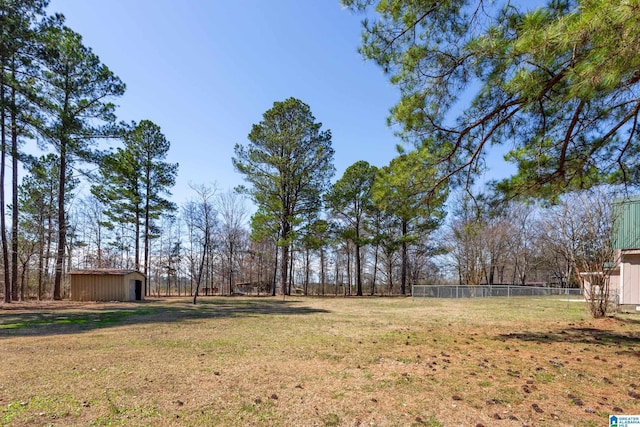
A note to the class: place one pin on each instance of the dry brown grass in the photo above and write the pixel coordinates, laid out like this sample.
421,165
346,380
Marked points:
317,362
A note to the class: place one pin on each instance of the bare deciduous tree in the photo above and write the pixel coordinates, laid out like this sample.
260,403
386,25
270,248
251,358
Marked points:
201,218
581,224
233,235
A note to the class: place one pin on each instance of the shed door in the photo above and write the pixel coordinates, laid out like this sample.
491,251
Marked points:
138,290
132,290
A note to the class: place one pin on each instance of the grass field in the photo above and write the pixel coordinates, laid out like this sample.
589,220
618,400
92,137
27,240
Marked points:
316,362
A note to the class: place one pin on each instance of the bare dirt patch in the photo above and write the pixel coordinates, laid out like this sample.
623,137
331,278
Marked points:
326,362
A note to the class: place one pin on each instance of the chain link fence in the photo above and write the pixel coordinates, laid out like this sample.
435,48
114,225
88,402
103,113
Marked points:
465,291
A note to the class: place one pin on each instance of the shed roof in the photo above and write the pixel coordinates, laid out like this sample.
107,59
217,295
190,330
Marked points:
105,272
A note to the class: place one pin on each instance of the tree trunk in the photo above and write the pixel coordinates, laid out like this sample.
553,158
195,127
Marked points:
137,264
337,272
40,263
390,273
136,254
69,254
358,272
290,272
275,272
284,267
306,270
322,271
349,267
231,248
403,272
14,189
3,231
201,267
47,254
491,274
146,223
375,271
62,223
358,262
23,279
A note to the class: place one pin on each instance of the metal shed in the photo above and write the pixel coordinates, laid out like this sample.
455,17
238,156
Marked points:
625,230
107,285
624,270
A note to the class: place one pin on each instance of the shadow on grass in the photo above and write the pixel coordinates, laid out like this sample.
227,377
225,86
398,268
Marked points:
69,320
577,335
633,321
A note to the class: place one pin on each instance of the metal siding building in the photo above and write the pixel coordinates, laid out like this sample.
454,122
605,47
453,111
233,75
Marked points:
626,223
107,285
625,236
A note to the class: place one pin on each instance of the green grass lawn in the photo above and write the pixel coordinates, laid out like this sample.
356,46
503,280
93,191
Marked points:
317,362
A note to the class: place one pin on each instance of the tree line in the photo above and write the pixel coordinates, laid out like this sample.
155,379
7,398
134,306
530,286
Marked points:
567,104
55,91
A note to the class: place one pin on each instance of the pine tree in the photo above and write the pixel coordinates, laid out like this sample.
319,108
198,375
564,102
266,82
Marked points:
133,181
409,190
558,84
77,88
288,163
19,39
350,199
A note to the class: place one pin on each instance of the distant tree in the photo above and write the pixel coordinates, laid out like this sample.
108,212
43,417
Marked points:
389,241
583,226
233,234
38,210
477,239
168,255
133,181
558,82
315,237
95,231
350,199
77,87
520,240
158,177
201,218
465,240
189,213
408,189
381,229
119,189
265,229
288,164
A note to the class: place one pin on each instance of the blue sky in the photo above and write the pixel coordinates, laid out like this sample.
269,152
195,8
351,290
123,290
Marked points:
206,70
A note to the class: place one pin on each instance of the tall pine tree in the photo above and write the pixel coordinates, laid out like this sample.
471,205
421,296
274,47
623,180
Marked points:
350,199
288,163
19,30
135,181
77,88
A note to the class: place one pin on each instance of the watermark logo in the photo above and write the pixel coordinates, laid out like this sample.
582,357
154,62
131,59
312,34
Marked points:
624,420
